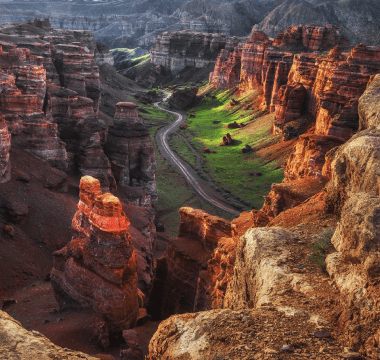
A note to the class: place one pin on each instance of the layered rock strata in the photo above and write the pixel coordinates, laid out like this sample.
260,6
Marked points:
177,50
23,83
182,283
97,269
130,150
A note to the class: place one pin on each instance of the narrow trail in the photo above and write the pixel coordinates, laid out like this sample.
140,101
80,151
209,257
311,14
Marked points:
187,172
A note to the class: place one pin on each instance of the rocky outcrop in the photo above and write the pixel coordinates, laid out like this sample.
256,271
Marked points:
244,68
97,269
130,150
83,133
183,98
177,50
181,283
5,146
20,343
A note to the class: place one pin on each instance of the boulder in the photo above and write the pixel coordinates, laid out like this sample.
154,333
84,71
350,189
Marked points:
183,98
227,140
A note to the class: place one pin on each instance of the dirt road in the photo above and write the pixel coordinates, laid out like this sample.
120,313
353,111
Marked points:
195,182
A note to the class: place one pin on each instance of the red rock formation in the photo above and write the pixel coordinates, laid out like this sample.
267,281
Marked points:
227,70
5,146
78,71
23,84
337,88
308,156
82,132
130,147
181,284
252,60
97,269
290,103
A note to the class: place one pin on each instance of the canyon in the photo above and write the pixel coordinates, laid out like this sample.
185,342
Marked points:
79,197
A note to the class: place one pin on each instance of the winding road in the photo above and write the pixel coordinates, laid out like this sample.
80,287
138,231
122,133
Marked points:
187,172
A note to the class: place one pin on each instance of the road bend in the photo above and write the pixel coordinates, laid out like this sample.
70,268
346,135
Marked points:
187,172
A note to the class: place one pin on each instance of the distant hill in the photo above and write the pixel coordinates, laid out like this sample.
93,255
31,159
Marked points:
133,23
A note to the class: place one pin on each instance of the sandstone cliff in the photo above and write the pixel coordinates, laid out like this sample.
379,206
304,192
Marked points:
188,49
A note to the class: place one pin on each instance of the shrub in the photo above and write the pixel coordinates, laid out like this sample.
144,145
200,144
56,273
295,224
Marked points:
320,248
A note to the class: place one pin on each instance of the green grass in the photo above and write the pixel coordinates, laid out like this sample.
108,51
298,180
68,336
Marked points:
320,248
229,167
181,148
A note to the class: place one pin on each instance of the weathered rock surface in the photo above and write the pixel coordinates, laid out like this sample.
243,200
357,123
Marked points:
130,150
219,334
369,108
5,146
98,269
50,100
23,83
17,342
183,98
180,274
258,275
353,169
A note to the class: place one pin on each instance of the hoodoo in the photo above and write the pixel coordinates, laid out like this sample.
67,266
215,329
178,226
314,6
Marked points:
97,269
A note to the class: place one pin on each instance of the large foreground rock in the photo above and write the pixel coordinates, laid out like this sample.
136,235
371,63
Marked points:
233,335
19,343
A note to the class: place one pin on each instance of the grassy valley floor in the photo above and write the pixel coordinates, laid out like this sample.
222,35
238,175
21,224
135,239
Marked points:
247,177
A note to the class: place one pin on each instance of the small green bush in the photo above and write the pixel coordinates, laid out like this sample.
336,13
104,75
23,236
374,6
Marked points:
320,248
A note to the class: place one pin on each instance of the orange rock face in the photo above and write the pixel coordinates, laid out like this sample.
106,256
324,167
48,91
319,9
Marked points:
97,269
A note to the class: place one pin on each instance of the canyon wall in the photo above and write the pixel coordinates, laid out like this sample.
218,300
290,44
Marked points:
189,49
50,101
307,72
